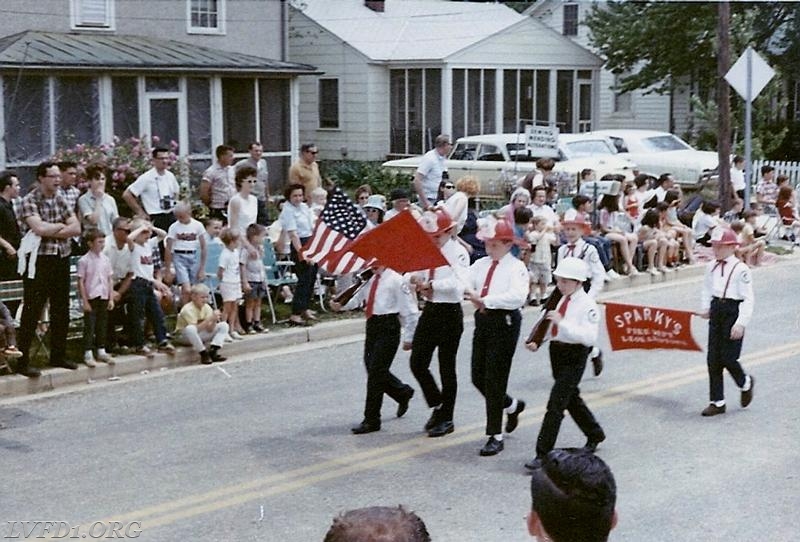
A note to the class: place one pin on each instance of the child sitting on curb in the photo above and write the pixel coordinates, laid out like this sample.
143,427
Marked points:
199,325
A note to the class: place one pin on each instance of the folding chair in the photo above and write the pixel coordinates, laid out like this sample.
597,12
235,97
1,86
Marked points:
213,252
277,273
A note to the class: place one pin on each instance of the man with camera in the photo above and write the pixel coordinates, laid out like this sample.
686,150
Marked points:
158,190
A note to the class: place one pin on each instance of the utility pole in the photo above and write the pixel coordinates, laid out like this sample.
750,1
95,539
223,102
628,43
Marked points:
725,191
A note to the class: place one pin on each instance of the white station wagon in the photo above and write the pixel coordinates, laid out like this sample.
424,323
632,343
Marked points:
499,160
663,152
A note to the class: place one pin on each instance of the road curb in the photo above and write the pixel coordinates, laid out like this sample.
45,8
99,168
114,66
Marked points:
56,378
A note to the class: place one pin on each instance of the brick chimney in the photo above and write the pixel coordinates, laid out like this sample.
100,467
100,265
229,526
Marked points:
375,5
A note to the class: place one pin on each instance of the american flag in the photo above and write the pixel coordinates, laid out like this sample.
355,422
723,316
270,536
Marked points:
340,222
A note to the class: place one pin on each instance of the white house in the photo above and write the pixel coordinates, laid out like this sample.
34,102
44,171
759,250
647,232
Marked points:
399,72
199,72
637,109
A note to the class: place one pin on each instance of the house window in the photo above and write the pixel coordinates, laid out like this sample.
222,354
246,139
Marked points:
570,20
206,16
473,102
622,100
415,111
328,103
92,14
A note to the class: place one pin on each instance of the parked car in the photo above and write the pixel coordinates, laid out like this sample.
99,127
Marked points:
662,152
499,160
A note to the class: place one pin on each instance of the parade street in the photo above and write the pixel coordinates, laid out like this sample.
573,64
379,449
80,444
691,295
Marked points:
261,449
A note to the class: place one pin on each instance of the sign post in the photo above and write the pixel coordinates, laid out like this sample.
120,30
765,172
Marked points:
748,76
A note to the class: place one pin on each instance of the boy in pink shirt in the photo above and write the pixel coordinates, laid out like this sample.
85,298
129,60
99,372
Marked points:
95,276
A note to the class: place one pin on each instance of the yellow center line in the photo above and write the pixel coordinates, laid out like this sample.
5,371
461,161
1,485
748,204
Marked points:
278,483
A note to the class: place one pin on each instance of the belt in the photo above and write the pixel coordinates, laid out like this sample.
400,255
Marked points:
727,299
382,316
184,251
501,311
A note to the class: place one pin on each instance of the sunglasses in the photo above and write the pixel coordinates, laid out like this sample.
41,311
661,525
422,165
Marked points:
449,186
252,181
313,152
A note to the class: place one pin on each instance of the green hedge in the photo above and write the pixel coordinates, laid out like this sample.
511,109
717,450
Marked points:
350,174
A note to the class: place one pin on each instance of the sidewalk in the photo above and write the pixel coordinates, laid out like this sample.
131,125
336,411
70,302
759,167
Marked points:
279,336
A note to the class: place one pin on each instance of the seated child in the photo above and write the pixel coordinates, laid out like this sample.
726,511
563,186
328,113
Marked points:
199,325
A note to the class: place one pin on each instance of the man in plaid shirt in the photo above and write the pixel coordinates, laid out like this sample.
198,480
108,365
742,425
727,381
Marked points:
47,213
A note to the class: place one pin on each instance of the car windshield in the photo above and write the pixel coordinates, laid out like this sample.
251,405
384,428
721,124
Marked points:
588,147
667,142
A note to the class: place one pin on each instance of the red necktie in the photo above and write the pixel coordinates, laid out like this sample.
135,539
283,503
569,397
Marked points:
721,265
488,281
562,310
570,250
371,296
431,274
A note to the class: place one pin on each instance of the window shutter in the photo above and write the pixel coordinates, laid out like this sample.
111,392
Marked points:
93,13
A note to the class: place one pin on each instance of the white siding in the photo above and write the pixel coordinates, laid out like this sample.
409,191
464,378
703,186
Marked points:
648,111
527,45
253,26
363,94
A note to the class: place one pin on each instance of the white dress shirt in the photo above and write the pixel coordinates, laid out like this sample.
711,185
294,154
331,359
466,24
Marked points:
391,297
588,254
449,281
731,281
581,321
508,289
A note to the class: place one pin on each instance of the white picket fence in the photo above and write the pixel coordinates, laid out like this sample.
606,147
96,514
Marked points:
791,169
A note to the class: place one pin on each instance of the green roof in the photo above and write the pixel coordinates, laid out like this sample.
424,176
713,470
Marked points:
36,50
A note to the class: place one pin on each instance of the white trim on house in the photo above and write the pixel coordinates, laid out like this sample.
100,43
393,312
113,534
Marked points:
219,29
99,15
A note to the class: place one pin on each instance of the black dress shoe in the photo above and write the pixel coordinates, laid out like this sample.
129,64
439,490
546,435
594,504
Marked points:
30,372
213,354
512,420
65,365
365,427
597,363
441,429
492,447
713,410
592,442
402,404
747,396
535,463
433,421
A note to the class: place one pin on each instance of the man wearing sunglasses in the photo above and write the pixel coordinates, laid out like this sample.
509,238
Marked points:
306,170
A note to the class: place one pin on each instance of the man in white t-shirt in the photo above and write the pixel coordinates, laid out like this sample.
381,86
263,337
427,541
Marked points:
431,171
186,250
158,190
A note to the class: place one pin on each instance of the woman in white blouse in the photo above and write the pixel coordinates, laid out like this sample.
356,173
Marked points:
297,220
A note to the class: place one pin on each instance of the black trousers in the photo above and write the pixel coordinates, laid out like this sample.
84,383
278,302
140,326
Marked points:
567,362
51,283
440,326
723,352
493,346
380,347
306,276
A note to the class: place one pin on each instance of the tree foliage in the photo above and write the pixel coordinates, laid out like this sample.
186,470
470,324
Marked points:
663,46
658,45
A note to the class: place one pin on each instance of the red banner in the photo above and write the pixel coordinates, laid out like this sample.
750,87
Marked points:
648,328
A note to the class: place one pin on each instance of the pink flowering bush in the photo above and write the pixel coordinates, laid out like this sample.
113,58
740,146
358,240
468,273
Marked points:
124,161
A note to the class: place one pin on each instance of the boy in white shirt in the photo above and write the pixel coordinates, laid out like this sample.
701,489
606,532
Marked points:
542,239
186,250
143,301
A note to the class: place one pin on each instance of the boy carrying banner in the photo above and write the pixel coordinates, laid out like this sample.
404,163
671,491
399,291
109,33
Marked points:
727,301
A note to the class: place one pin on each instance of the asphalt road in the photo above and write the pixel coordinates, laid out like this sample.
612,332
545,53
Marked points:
260,448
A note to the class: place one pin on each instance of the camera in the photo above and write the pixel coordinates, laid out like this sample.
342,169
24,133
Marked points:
445,175
166,203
